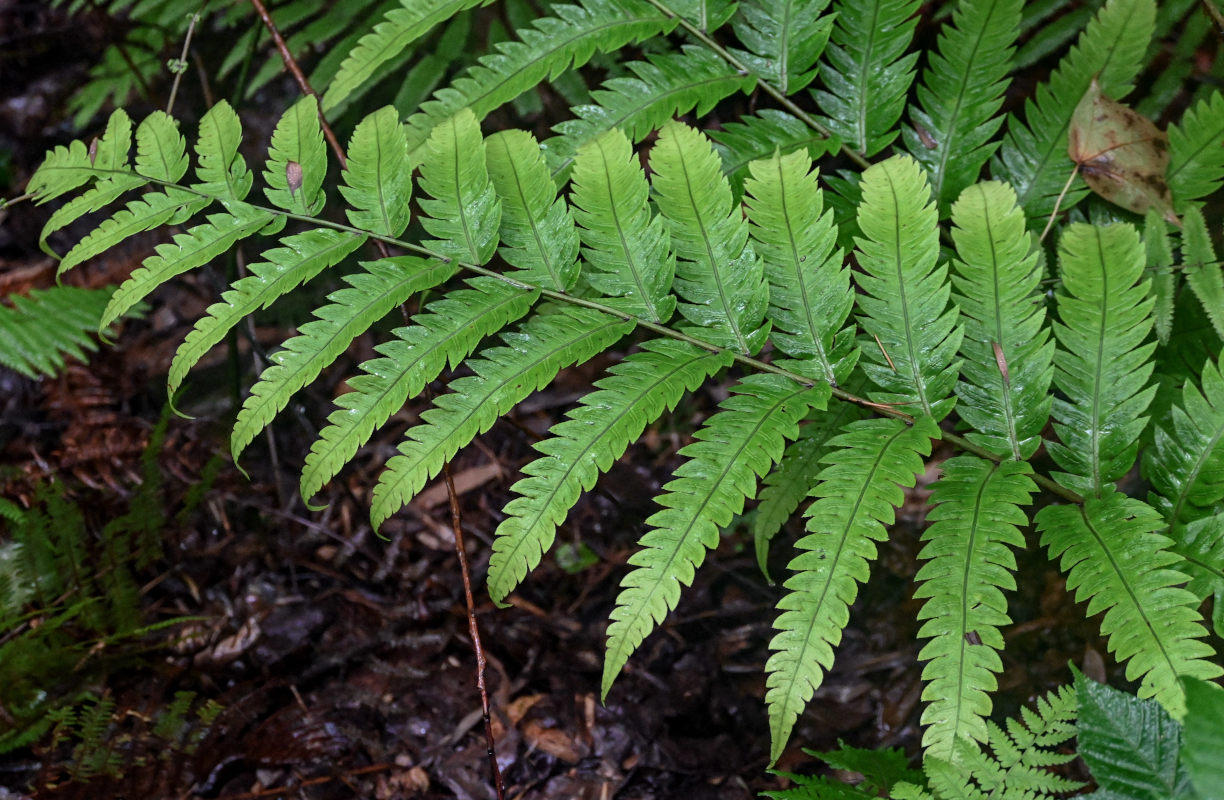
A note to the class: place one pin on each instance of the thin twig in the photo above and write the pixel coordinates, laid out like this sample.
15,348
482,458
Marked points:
181,65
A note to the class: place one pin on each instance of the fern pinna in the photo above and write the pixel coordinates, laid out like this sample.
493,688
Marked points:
858,318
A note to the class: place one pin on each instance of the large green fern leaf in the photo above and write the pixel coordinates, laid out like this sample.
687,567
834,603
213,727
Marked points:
905,292
1008,354
598,431
1185,463
857,493
1103,362
734,448
1196,160
1116,561
969,559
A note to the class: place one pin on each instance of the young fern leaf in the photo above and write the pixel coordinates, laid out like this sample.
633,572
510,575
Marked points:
297,160
628,251
1201,267
581,448
1007,368
378,181
784,39
399,28
735,447
759,136
961,91
664,86
969,559
717,270
39,331
791,482
549,47
1102,364
1196,160
1185,463
537,228
370,295
1115,560
867,73
463,210
809,284
905,292
857,493
554,338
1033,156
449,332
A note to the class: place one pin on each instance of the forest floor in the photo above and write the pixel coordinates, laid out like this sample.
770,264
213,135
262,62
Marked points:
343,660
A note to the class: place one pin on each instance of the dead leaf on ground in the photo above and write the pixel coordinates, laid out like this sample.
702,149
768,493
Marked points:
1122,155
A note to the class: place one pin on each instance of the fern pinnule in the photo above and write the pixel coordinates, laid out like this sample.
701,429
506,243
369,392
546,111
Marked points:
582,447
462,209
719,278
449,331
784,39
1196,161
1111,48
734,448
371,293
1159,254
629,252
1102,365
297,259
1185,463
905,291
867,73
297,160
868,464
537,232
969,559
962,89
1115,559
220,167
759,136
378,179
550,46
1201,544
550,340
399,28
1007,350
809,285
1201,268
663,86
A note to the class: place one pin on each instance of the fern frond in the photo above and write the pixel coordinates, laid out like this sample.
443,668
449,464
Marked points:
628,251
961,91
463,211
549,341
1202,270
64,168
549,47
378,181
1102,365
582,447
718,273
399,28
760,136
1185,463
448,332
537,229
809,284
298,259
1008,354
784,39
791,482
1033,156
868,73
734,448
379,287
1115,560
297,160
149,212
190,249
39,331
968,553
663,86
905,292
1196,160
222,171
1201,544
857,493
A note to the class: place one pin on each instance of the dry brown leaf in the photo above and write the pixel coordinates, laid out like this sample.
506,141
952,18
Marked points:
1122,155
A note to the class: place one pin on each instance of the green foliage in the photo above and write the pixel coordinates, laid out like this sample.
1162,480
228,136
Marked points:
794,286
42,329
